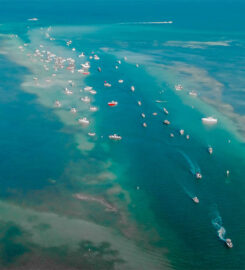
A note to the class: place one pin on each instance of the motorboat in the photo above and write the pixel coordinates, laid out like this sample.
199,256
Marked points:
99,69
144,125
116,67
113,103
91,134
73,110
143,115
198,175
210,150
93,109
139,103
57,104
195,199
90,57
92,92
86,65
86,73
68,92
96,57
81,55
83,121
165,111
119,62
132,88
178,87
73,49
106,84
88,88
227,173
187,137
115,137
171,135
137,65
166,122
120,81
209,120
193,93
85,99
155,113
228,243
181,132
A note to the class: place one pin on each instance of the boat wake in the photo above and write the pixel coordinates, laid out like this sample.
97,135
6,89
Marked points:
194,168
218,225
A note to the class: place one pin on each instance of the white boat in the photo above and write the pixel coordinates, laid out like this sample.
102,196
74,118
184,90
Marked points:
210,150
91,134
143,115
187,137
228,243
137,65
120,81
195,199
166,122
96,57
119,62
115,137
181,132
86,65
165,111
92,92
198,175
81,55
73,110
68,92
73,49
80,70
93,109
116,67
144,125
88,88
57,104
33,19
193,93
209,120
83,121
178,87
139,103
171,135
132,88
106,84
86,99
155,113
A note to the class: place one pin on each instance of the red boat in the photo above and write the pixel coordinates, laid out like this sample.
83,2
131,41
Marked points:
86,73
112,103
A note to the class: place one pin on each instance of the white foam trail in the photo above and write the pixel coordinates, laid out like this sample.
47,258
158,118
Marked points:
217,223
163,22
193,168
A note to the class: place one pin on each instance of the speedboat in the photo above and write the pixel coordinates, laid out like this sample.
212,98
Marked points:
57,104
120,81
178,87
73,49
119,62
93,109
139,103
99,69
193,93
106,84
96,57
228,243
115,137
113,103
73,110
187,137
198,175
209,120
132,88
137,65
165,110
143,115
166,122
85,99
83,121
88,88
181,132
195,199
116,67
171,135
68,92
227,173
144,125
91,134
155,113
210,150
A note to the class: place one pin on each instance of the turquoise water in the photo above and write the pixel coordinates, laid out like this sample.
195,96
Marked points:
71,201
